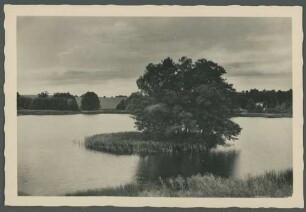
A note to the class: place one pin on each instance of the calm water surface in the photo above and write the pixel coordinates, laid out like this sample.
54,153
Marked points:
51,160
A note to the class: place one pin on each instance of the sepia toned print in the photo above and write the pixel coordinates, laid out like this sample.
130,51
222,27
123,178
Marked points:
154,106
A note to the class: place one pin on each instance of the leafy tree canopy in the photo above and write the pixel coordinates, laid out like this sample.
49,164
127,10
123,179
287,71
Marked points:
121,105
59,101
44,94
63,95
90,101
185,99
270,98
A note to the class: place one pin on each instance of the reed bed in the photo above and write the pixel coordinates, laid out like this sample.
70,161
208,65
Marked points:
139,143
269,184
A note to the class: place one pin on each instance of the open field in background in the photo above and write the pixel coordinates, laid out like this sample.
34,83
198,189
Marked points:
270,184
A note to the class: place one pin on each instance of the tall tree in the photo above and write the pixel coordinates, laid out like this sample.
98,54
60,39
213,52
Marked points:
90,101
121,105
185,99
251,105
23,102
64,101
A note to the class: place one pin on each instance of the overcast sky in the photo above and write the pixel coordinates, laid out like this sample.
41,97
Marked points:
107,55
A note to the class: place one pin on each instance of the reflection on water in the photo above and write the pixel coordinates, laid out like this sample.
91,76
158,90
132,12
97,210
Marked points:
53,161
218,163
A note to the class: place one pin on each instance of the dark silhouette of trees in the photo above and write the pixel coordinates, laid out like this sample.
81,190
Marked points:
64,101
251,105
273,101
23,102
121,105
90,101
59,101
185,99
43,94
124,102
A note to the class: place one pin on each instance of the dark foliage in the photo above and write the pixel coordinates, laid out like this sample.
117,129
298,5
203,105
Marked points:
271,100
121,105
90,101
43,94
183,99
124,102
251,105
24,102
59,101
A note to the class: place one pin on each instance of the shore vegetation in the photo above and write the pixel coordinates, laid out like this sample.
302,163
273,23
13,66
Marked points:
269,184
142,143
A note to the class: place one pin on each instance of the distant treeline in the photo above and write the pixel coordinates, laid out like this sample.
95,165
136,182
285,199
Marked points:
252,101
59,101
265,101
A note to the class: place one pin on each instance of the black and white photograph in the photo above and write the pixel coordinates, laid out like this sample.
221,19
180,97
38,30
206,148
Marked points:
155,106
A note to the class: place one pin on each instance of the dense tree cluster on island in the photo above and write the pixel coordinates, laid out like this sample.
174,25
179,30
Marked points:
185,99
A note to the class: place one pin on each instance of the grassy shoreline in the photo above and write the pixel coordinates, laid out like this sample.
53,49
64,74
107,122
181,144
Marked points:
269,184
137,143
114,111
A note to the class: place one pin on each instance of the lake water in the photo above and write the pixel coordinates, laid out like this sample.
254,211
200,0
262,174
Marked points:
52,162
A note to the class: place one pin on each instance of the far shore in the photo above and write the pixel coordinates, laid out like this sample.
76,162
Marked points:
114,111
70,112
266,115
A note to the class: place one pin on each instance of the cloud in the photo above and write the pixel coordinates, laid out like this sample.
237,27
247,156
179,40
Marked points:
258,74
87,77
79,51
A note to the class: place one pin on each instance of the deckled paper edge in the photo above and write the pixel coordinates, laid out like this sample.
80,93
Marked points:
12,11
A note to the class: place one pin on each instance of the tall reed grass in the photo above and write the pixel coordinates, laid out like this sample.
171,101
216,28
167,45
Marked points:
139,143
269,184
